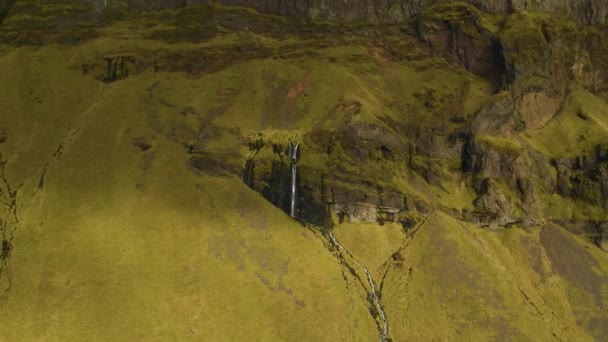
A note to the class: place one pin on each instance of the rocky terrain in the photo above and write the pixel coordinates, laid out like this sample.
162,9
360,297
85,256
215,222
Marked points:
458,151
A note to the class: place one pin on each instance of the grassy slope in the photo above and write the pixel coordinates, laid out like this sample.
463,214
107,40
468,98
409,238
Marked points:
168,261
371,244
461,283
576,130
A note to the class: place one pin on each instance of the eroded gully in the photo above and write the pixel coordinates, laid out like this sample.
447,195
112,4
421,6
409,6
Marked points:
372,295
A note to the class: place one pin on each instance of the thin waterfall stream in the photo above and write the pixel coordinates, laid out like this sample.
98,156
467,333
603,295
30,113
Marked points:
293,152
373,295
294,175
376,306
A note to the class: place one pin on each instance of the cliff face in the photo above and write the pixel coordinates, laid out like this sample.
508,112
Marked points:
390,11
591,12
394,11
71,21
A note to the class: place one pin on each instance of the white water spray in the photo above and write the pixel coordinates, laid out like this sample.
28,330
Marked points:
374,298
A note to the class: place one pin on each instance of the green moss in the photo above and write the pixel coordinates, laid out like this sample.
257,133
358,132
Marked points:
464,266
371,244
523,35
569,134
558,207
129,253
460,16
501,144
193,18
539,50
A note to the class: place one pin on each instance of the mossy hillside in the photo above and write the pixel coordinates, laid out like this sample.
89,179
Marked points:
371,244
432,92
149,251
539,51
304,80
588,288
33,22
457,195
478,273
34,100
575,131
546,52
501,144
201,22
98,137
459,16
531,38
558,207
349,85
379,116
543,249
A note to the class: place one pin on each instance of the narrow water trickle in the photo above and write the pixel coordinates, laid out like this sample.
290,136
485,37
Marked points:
294,175
293,152
374,299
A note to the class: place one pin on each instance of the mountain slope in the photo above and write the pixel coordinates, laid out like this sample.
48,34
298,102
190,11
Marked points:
147,248
456,282
460,157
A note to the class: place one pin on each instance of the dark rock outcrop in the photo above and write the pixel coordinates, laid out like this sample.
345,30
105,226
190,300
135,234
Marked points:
460,32
492,208
495,118
584,177
117,68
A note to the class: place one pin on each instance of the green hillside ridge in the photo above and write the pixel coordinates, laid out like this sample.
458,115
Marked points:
459,156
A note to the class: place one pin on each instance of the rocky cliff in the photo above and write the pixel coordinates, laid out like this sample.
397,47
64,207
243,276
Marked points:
591,12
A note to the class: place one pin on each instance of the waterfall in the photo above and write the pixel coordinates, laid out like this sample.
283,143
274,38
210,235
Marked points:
293,152
373,295
294,175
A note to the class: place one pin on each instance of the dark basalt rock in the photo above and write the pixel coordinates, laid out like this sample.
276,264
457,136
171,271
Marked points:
117,68
492,207
458,32
495,118
584,177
